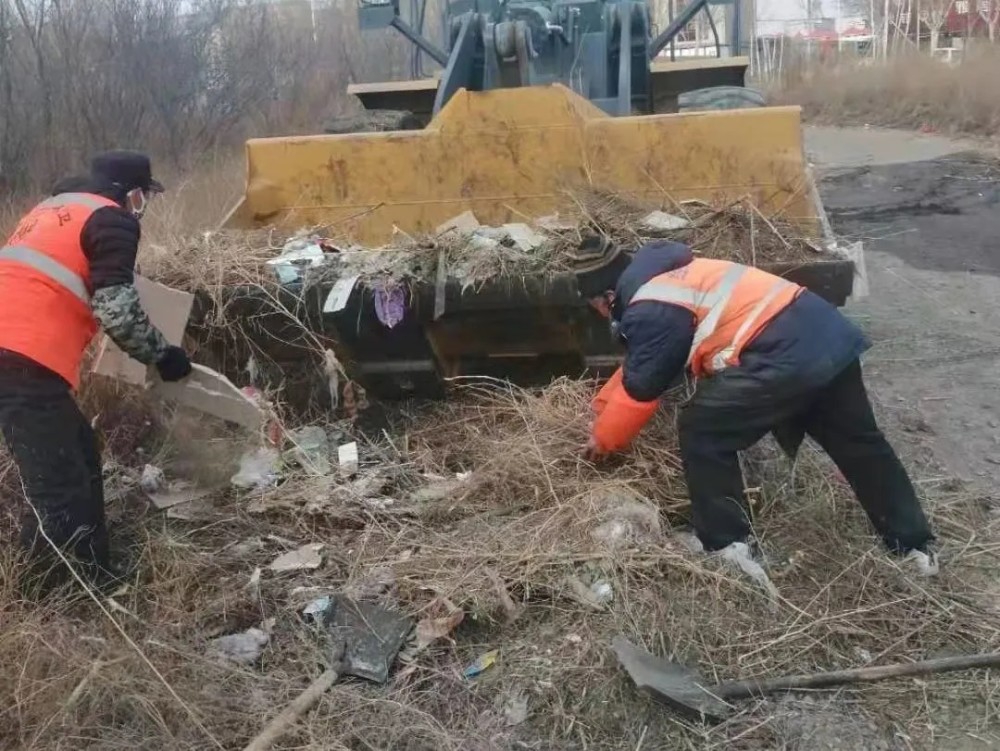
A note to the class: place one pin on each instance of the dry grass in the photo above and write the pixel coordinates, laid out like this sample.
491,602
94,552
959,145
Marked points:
212,261
502,546
910,91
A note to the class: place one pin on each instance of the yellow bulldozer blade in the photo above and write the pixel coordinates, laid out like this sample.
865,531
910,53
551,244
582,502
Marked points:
511,155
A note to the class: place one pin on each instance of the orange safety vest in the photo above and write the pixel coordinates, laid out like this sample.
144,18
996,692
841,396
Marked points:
732,303
45,312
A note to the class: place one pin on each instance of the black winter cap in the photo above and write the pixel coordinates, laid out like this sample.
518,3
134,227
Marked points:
597,264
128,169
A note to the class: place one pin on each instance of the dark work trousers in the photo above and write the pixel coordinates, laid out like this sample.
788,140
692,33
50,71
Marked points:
734,409
57,454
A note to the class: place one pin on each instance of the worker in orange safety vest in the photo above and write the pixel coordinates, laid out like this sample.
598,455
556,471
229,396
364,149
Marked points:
766,355
65,271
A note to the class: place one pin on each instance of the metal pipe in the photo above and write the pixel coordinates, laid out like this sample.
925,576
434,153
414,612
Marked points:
715,31
430,48
687,13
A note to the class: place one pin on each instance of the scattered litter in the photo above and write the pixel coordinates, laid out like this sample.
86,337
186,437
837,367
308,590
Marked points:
254,582
661,221
152,479
347,456
524,237
596,594
574,638
482,243
311,450
602,591
340,294
259,469
441,489
175,493
463,223
297,254
190,511
510,609
553,223
379,580
245,647
305,558
628,522
481,664
429,630
738,554
390,305
318,607
515,711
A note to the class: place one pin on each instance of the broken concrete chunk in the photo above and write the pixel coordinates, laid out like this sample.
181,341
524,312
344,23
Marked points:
306,558
524,237
661,221
463,223
244,648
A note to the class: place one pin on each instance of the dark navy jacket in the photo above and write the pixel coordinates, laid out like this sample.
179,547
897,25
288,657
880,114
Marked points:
807,344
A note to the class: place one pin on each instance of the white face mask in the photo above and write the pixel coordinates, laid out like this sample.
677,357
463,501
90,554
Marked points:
136,201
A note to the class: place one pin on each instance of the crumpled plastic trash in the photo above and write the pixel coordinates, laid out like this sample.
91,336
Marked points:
318,607
482,663
390,305
311,449
661,221
152,480
297,254
245,647
259,469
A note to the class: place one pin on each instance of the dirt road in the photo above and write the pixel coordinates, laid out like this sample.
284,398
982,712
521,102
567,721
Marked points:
928,209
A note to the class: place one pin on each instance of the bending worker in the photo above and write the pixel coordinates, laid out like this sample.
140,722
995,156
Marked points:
767,355
67,269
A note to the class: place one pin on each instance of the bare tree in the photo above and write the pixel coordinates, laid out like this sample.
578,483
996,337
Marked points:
989,11
934,13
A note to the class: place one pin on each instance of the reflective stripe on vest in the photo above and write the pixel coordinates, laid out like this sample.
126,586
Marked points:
48,267
716,300
80,199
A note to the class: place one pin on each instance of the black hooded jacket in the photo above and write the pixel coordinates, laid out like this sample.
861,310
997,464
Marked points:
110,238
805,346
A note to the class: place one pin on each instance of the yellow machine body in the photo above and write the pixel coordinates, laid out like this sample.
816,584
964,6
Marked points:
517,154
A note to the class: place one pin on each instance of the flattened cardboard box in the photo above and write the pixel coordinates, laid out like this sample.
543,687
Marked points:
205,390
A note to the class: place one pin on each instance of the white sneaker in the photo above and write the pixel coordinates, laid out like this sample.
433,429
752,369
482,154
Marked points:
922,562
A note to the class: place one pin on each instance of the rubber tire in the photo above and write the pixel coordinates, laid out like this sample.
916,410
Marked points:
720,98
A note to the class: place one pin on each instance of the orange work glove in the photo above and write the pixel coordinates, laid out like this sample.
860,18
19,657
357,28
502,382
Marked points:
614,383
620,418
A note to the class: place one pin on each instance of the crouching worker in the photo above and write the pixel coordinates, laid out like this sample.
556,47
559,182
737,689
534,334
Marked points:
67,269
767,355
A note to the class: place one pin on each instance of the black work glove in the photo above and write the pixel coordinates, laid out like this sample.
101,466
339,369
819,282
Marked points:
174,365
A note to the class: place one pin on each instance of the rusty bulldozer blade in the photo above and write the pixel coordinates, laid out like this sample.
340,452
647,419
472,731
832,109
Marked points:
687,692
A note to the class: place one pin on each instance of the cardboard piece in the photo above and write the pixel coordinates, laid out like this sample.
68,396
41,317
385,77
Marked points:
205,390
168,309
213,393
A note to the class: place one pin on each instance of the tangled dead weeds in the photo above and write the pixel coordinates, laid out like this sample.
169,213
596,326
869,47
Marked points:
505,544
